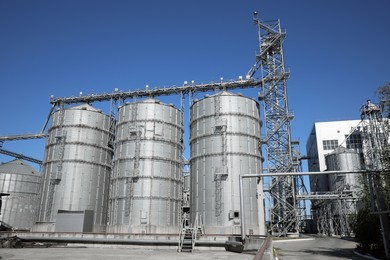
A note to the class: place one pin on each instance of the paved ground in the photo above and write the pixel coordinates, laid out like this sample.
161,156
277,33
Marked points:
316,248
113,254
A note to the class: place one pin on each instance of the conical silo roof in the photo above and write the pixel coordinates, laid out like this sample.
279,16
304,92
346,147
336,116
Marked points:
17,166
85,107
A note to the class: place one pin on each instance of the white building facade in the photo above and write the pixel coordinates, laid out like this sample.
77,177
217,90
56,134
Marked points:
323,139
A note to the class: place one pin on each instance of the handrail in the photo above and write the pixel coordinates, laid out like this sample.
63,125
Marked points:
181,237
194,232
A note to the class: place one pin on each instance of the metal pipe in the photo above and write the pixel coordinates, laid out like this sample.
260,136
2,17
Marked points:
102,240
48,118
275,174
242,209
144,242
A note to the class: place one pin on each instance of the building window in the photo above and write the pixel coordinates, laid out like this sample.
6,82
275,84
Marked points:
330,144
354,141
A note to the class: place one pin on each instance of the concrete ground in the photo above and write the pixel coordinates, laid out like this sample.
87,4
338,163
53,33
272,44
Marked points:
315,248
100,253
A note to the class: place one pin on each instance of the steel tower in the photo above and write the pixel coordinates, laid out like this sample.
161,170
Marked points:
277,117
375,137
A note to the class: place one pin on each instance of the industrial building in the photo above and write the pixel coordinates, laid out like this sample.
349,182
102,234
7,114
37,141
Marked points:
324,138
122,171
335,146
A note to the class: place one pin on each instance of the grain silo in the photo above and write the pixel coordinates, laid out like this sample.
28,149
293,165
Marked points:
225,143
23,183
76,169
342,159
347,186
145,184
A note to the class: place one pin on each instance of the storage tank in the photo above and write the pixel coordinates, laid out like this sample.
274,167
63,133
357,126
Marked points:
145,184
23,183
225,142
342,159
76,169
346,185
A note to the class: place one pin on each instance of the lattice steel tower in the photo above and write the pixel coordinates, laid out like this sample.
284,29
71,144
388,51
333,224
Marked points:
375,138
277,139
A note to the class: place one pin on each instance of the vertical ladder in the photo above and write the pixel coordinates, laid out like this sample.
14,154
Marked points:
220,173
135,135
55,177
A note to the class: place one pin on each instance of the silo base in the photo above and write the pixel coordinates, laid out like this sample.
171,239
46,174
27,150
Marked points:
44,227
230,230
51,227
145,229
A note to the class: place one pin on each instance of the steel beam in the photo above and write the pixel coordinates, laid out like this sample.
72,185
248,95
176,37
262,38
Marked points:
23,137
20,156
147,92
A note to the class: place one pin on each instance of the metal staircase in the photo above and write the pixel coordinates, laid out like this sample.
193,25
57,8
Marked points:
187,240
188,235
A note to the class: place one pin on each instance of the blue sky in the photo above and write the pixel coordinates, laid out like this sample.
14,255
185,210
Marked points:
338,52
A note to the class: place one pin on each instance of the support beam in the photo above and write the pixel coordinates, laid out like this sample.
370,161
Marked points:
20,156
23,137
184,89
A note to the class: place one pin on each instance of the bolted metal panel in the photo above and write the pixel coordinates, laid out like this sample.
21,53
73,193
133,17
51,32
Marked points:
145,184
23,183
77,164
225,142
335,216
343,159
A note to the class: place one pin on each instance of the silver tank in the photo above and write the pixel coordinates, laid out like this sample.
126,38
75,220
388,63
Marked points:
77,165
225,142
23,183
145,184
343,159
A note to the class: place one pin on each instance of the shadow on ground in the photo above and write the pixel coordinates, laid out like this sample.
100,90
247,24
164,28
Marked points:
336,252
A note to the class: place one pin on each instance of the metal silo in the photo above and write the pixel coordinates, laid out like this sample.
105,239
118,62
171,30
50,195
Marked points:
343,159
77,167
23,183
145,184
225,143
347,188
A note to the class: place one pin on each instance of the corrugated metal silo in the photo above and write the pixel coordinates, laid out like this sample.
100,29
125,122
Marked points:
23,183
145,184
225,142
343,159
77,167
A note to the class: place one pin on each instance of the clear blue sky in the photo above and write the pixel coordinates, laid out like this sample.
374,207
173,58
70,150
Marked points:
338,52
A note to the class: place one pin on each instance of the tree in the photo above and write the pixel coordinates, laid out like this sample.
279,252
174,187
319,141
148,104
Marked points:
367,231
383,94
386,175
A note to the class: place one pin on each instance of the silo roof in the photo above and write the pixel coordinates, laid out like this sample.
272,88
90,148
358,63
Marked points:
86,107
226,93
17,167
342,149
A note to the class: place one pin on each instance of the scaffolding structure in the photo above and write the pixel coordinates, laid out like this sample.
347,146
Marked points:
277,140
375,137
334,212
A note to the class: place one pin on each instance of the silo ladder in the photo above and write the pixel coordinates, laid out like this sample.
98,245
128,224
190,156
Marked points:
187,240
